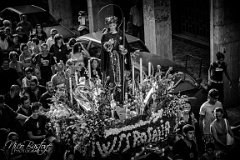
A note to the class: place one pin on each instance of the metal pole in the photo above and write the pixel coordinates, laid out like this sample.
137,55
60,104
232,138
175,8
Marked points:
123,60
186,61
200,71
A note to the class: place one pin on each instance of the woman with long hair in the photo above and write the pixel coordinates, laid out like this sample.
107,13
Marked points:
79,54
95,69
59,50
219,129
41,35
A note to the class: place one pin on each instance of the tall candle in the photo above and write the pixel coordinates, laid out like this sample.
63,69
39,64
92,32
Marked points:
76,77
113,106
70,87
126,110
126,105
112,113
141,105
149,69
141,76
89,72
133,80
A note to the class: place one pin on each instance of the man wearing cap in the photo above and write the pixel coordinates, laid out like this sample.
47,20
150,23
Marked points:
50,41
26,26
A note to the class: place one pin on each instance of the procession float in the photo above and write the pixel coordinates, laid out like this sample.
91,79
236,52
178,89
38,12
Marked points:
85,116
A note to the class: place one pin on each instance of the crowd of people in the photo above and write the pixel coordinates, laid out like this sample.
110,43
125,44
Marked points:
212,130
214,127
32,68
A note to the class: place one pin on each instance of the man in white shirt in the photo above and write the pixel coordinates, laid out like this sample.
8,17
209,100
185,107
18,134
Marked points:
27,79
207,114
50,41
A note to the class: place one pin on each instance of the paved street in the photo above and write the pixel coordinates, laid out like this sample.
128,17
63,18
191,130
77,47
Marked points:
181,49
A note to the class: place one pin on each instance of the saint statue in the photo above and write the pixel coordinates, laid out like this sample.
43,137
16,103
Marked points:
115,57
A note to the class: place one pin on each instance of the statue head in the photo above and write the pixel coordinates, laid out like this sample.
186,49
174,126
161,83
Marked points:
110,20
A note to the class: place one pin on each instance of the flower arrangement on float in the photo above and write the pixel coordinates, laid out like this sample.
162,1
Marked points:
95,132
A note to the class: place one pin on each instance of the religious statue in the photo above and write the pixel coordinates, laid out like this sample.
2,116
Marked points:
115,57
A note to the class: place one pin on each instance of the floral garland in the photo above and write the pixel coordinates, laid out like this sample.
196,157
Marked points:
88,136
93,134
120,140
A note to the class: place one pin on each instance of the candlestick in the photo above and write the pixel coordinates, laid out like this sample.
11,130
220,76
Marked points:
142,102
70,87
149,69
141,76
126,110
133,80
113,106
112,113
126,105
89,72
76,78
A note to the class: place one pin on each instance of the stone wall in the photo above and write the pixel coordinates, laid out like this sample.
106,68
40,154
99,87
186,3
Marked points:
61,9
157,27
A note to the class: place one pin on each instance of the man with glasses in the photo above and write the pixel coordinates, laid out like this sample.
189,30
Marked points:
207,114
50,41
